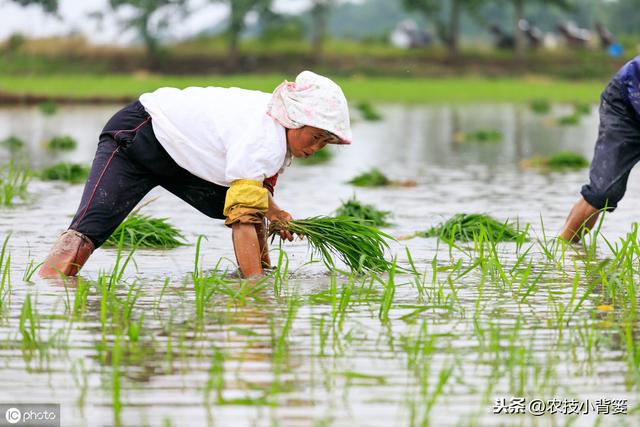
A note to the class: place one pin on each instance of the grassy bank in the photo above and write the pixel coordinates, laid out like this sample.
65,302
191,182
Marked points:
375,89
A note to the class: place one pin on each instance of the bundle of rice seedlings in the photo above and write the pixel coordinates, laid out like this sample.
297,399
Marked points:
62,143
368,112
48,108
564,160
70,172
360,246
146,232
569,120
582,108
540,106
480,135
366,213
468,227
12,143
372,178
319,157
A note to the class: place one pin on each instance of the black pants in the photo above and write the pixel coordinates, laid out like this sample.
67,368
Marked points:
129,162
617,149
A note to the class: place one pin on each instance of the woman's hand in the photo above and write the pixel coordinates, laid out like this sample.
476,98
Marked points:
282,216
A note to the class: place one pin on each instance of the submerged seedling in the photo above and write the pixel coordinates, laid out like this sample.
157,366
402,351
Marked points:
366,213
358,245
144,231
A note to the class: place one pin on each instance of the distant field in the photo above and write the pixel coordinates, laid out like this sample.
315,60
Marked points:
374,89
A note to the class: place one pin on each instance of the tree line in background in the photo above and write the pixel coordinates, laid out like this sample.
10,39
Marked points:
449,19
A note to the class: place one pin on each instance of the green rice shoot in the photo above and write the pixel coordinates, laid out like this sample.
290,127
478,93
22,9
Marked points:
582,108
361,247
12,143
372,178
319,157
569,120
13,183
481,135
74,173
368,112
540,106
469,227
561,161
143,231
48,108
62,143
368,214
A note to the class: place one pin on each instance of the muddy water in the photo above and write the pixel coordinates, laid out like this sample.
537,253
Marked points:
358,371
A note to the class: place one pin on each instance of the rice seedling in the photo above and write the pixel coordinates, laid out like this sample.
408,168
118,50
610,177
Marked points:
143,231
61,143
372,178
368,112
13,143
319,157
13,183
561,161
360,246
469,227
480,135
367,213
5,276
540,106
70,172
48,108
569,120
582,108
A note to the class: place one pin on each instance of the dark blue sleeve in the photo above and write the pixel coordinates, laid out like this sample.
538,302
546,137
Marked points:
630,77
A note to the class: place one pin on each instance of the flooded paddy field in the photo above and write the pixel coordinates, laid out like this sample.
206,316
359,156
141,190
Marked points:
455,333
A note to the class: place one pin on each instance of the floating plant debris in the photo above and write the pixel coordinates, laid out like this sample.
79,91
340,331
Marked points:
360,246
366,213
146,232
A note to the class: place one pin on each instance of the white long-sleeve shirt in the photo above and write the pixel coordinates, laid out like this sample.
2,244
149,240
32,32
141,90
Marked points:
218,134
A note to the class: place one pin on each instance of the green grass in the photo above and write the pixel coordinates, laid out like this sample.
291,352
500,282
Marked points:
62,143
371,178
360,246
146,232
12,143
469,227
319,157
369,214
371,89
70,172
561,161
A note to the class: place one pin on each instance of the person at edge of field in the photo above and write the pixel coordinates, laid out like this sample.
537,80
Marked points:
617,150
218,149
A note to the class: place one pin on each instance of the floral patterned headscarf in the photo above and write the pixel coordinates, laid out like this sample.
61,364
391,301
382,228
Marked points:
312,100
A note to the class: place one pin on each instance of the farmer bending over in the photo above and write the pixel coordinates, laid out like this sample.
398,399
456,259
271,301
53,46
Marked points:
617,151
218,149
